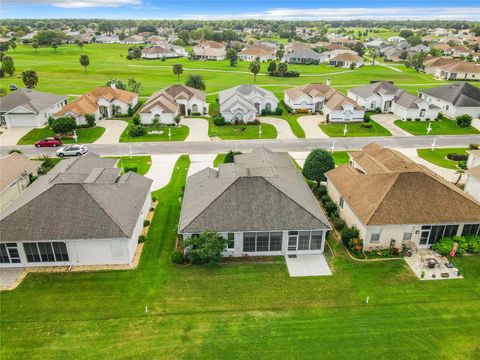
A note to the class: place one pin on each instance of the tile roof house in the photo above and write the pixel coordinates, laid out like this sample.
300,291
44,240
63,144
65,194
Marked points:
134,39
431,64
346,60
454,99
210,50
254,52
399,201
104,101
15,172
388,98
29,108
325,99
174,100
83,212
260,203
243,103
163,50
459,70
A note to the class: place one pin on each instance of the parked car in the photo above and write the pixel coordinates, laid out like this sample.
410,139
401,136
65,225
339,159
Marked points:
49,142
72,150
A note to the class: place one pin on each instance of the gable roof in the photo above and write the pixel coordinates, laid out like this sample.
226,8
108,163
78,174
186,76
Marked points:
312,90
395,190
77,200
32,100
346,57
241,93
15,166
460,94
261,190
303,53
166,98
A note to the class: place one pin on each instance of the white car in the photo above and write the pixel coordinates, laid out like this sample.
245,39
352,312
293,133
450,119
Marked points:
72,150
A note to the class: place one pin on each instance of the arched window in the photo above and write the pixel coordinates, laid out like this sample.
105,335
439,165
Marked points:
194,108
422,112
268,107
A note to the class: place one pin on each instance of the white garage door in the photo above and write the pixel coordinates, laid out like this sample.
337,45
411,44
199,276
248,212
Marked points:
21,121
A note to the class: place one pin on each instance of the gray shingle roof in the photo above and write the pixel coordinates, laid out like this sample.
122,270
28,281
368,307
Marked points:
77,200
303,54
260,191
459,94
32,100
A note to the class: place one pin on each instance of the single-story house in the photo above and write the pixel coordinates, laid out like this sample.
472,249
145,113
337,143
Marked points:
419,49
16,171
294,46
210,50
346,60
340,108
444,48
455,99
375,44
175,100
302,56
243,103
431,64
394,201
102,102
134,39
158,52
260,203
254,52
460,50
29,108
388,98
83,212
460,70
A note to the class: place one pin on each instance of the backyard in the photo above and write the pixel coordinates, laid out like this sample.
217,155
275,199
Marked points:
85,135
440,127
251,310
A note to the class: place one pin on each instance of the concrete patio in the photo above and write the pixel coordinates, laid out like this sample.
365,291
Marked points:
307,265
11,277
441,268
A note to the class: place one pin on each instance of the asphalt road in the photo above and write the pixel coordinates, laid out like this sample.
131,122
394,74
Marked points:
216,147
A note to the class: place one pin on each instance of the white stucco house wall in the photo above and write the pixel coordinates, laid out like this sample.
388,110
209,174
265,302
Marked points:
29,108
454,99
244,102
106,232
388,98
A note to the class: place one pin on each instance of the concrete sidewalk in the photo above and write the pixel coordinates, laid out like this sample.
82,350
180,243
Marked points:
386,120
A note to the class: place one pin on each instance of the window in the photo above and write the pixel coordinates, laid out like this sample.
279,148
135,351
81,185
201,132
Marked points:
262,241
276,241
4,259
407,233
304,240
316,241
471,229
422,112
432,233
342,200
249,241
194,108
46,251
231,241
375,237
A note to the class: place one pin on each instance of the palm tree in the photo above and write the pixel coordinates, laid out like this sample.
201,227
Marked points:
195,81
84,61
177,70
254,68
460,173
30,78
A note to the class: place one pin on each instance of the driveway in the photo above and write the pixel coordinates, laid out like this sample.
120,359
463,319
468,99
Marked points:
113,130
198,129
386,120
310,124
284,131
299,157
447,174
476,123
11,277
199,162
10,137
307,265
161,169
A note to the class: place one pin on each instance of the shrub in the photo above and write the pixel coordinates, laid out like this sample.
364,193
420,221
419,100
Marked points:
349,233
366,125
445,245
90,120
206,248
230,155
464,121
356,245
473,146
457,157
331,208
320,191
141,239
338,223
50,120
278,111
146,223
219,120
154,199
177,257
311,184
136,131
131,169
473,244
417,119
318,162
324,199
64,125
136,120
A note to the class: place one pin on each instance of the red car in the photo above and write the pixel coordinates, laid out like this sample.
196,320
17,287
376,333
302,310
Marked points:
49,142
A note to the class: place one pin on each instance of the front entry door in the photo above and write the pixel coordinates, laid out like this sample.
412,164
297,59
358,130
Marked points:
292,242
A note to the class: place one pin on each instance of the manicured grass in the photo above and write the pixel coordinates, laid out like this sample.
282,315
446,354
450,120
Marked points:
142,163
341,157
219,160
179,133
440,127
85,135
292,120
439,156
252,310
241,132
355,130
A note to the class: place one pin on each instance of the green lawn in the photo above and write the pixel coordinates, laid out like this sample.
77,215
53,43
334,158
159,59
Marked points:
219,160
341,157
85,135
441,127
240,132
240,311
355,130
142,163
439,156
179,133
